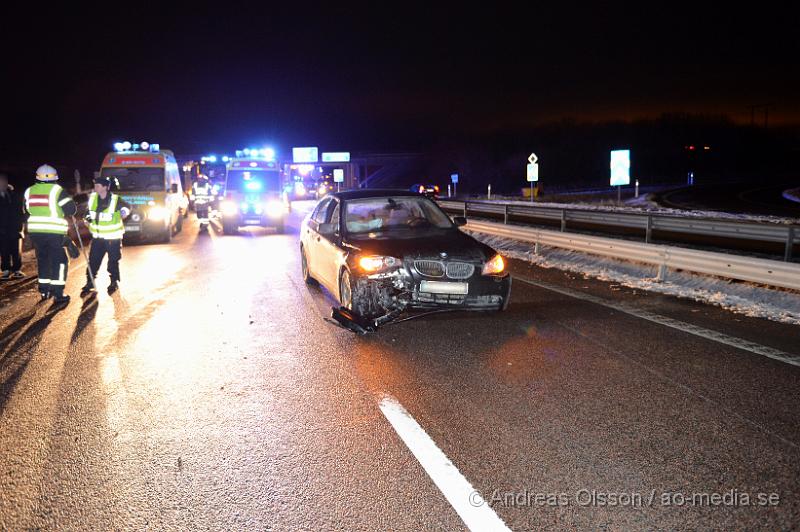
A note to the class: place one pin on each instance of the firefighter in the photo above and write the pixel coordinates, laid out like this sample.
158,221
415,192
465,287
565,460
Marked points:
48,206
106,211
202,194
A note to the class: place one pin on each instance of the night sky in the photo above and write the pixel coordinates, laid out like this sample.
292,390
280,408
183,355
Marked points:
391,79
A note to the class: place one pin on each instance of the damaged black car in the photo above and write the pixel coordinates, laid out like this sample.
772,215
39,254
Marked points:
386,253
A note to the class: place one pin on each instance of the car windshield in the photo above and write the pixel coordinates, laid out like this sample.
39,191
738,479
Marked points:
253,181
393,213
131,179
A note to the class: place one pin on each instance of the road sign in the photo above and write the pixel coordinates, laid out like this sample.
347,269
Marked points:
532,158
336,157
454,178
620,167
305,155
338,175
533,172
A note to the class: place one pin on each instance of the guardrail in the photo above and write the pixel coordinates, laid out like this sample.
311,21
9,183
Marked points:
764,271
647,222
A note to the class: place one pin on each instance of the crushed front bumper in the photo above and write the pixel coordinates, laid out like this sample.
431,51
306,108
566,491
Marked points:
406,289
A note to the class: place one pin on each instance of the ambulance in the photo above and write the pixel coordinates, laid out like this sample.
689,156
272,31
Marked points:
149,180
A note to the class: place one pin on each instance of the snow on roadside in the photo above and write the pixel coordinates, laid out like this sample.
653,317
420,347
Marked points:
744,298
645,205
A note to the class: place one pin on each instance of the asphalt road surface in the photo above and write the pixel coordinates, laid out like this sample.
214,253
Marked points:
209,393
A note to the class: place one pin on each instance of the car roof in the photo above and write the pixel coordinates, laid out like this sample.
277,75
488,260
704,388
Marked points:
373,193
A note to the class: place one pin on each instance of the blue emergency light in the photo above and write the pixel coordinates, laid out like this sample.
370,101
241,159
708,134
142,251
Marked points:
143,146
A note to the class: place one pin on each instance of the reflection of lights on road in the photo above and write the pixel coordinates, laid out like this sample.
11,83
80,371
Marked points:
111,371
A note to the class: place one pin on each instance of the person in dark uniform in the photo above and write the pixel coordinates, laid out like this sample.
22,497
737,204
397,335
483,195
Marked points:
12,218
106,212
48,206
201,193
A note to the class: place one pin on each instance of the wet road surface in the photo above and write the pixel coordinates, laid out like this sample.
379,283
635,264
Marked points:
209,393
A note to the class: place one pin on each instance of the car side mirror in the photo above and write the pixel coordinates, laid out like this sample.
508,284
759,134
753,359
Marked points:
174,188
459,221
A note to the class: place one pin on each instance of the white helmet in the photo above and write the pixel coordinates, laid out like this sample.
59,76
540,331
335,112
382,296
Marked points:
46,173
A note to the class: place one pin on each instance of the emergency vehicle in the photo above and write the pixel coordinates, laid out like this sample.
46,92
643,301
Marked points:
254,195
149,180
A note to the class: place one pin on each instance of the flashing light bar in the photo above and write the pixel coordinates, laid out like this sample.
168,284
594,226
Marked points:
143,146
261,153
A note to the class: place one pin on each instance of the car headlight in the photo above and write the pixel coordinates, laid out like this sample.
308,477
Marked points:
376,263
229,208
494,265
157,213
274,209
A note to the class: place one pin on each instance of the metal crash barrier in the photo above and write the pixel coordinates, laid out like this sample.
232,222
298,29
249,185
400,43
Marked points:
756,270
646,222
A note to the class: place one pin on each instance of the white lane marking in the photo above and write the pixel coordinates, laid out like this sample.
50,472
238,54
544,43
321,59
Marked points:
466,501
646,367
702,332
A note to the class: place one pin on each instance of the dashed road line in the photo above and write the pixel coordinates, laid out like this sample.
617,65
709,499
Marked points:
696,330
466,501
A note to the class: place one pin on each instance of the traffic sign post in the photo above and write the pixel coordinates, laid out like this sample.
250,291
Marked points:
454,180
338,177
532,171
620,170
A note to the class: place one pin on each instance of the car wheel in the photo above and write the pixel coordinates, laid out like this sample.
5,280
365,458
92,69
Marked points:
506,299
345,290
179,225
166,236
304,268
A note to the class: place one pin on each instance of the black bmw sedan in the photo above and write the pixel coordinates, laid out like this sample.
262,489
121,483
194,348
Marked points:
383,252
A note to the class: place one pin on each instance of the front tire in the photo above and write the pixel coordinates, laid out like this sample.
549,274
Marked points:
304,269
166,236
345,290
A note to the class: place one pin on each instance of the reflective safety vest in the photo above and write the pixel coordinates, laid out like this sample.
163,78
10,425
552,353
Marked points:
106,224
202,193
46,215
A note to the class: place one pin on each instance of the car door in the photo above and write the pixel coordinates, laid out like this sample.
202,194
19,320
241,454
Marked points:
311,237
328,249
